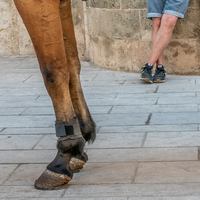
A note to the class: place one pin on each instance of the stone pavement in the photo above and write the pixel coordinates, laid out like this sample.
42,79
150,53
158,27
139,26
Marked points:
147,142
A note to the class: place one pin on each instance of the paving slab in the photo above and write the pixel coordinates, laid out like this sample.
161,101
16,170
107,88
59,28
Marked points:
168,172
82,198
155,108
120,89
149,128
105,173
178,100
25,175
127,101
175,118
142,154
26,192
172,139
158,95
10,142
121,119
27,156
166,198
134,190
178,89
28,131
50,111
11,111
26,121
6,171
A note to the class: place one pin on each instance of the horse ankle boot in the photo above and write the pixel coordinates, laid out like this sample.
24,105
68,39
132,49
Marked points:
70,145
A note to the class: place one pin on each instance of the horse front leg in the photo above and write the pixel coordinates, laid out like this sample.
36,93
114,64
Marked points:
42,20
87,125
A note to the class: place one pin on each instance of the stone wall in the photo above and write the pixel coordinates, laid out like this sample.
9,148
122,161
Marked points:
119,37
14,39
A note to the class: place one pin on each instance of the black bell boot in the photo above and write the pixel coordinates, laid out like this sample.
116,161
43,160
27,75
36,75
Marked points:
70,156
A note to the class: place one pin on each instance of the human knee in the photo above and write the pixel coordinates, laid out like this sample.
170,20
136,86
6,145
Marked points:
156,22
169,22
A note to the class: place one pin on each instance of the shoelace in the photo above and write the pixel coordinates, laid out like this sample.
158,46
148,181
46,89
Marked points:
159,70
148,69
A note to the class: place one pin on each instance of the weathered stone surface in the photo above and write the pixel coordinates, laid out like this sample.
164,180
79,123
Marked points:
14,38
168,172
5,171
105,173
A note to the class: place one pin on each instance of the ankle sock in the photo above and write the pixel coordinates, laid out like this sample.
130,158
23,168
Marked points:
160,66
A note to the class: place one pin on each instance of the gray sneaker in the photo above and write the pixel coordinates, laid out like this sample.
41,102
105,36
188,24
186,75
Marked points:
146,73
160,74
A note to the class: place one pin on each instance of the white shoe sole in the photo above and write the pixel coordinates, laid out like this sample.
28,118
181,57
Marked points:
146,80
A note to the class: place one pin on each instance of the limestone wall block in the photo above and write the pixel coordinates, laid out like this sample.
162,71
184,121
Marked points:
8,28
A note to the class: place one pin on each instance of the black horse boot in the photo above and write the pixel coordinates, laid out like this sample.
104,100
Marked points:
70,145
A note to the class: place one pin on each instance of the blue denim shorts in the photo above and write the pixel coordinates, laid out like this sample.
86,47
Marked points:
156,8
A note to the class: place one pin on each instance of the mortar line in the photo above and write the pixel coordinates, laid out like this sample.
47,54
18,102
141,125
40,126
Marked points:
24,111
95,76
38,142
2,130
156,89
98,129
110,110
65,190
27,79
18,165
144,140
37,97
136,170
149,119
157,101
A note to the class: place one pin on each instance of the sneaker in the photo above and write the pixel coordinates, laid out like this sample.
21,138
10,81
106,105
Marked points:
160,74
146,73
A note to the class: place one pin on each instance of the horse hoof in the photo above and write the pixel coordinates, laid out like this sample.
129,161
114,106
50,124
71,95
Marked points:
51,181
76,164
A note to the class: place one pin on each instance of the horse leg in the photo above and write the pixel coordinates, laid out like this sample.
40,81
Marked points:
42,20
86,122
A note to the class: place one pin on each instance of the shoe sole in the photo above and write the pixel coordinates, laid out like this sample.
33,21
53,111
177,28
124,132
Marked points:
146,80
159,81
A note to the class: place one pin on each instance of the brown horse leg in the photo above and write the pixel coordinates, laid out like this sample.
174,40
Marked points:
42,19
86,122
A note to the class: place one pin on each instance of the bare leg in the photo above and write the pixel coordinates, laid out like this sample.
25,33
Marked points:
156,27
87,125
42,19
162,37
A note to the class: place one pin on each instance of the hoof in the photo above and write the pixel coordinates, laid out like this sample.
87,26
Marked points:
51,181
76,164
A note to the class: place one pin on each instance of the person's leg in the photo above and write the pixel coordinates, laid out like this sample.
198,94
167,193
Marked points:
155,12
163,37
156,27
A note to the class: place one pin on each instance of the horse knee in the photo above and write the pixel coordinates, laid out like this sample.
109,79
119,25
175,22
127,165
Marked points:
53,75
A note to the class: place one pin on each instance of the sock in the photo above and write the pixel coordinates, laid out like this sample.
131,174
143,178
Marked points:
149,64
160,66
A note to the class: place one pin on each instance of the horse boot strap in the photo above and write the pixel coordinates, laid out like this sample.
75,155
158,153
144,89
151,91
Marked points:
68,130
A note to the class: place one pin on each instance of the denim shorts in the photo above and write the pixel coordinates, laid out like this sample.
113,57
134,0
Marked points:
156,8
